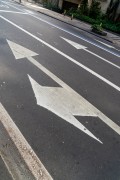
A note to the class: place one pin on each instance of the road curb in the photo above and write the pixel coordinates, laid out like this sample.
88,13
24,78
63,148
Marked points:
62,20
77,27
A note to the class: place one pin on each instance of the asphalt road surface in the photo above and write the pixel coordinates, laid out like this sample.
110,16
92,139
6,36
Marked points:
60,95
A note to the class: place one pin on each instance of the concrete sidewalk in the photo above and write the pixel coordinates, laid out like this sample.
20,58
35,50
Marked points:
111,37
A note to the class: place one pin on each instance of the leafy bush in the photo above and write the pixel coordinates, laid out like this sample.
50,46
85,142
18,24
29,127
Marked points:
97,27
52,7
95,9
109,25
84,7
72,11
115,27
84,18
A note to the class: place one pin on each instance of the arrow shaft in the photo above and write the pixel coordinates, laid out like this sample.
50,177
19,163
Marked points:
50,74
99,114
110,123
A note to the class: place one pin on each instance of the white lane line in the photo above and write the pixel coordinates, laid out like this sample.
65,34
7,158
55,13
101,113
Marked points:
79,46
25,150
107,45
4,11
3,6
105,60
62,29
64,55
30,12
39,34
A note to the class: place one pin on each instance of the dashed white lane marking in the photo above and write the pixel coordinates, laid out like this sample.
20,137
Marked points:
30,12
4,6
62,29
5,11
39,33
105,44
32,161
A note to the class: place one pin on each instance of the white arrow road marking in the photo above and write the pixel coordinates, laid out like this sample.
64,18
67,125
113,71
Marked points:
58,99
107,45
25,150
19,51
84,107
62,103
74,44
78,46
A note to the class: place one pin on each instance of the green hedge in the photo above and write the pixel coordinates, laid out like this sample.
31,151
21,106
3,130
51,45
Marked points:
114,27
52,7
108,25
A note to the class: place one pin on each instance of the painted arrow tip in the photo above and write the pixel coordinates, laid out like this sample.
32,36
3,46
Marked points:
35,87
19,51
74,44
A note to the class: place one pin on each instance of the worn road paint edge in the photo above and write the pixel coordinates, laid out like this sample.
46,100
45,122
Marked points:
25,150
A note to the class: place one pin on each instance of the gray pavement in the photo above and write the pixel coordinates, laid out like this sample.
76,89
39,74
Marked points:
60,87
